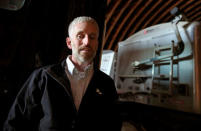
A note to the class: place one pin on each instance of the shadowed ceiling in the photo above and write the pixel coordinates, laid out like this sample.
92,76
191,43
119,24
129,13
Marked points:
126,17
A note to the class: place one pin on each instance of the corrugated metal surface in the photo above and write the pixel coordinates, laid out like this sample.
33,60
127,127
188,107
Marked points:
126,17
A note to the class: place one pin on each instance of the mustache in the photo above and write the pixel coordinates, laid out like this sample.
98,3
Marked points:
85,47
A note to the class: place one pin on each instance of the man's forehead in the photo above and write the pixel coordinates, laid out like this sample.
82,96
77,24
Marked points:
85,27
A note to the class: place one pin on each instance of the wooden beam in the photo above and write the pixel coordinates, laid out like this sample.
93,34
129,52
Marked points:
124,21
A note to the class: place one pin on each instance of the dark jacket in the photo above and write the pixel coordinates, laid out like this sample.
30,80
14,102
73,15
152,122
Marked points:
45,103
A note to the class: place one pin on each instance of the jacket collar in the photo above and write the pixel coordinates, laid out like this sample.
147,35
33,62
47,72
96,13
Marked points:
58,73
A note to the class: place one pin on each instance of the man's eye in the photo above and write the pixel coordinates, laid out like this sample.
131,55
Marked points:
92,37
80,36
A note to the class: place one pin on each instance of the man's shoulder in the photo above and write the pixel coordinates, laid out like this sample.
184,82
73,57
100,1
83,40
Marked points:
55,66
45,69
102,75
42,69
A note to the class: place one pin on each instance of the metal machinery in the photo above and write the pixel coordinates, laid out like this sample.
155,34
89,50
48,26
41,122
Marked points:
156,66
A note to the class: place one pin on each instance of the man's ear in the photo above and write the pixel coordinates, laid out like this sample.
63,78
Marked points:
68,43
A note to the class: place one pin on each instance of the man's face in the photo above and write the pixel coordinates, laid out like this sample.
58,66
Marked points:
83,41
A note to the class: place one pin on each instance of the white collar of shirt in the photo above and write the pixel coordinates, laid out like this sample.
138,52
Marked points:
73,71
70,65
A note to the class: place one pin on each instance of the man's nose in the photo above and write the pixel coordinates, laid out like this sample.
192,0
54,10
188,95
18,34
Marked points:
86,40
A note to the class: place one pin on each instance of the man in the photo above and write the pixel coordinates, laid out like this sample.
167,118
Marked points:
71,96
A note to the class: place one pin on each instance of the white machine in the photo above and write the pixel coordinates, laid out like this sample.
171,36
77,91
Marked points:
108,61
156,66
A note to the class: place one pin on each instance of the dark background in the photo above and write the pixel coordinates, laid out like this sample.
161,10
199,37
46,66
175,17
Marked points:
35,35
